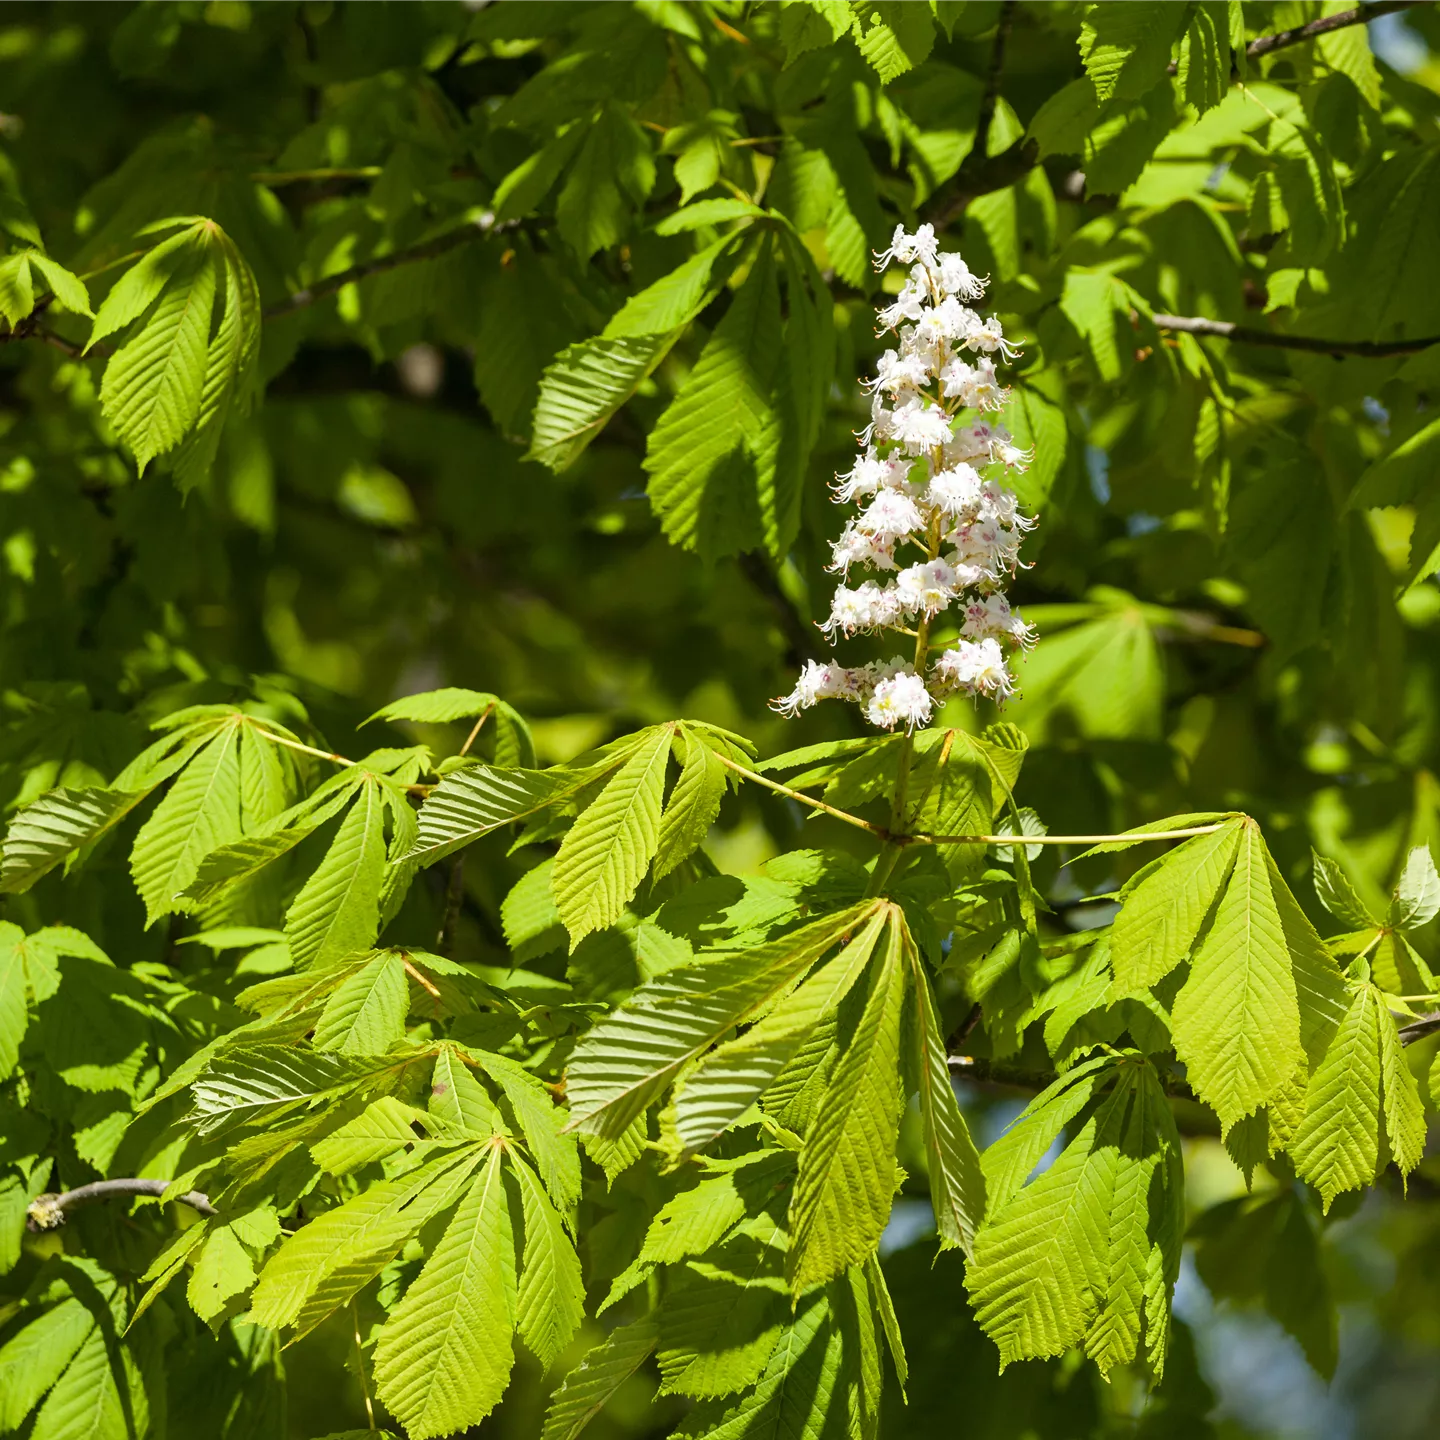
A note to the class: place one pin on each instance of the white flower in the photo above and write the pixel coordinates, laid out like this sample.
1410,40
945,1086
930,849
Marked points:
900,700
991,617
909,248
909,305
920,426
895,373
958,490
948,321
816,682
976,666
854,547
869,474
955,278
889,515
928,586
950,502
974,385
987,335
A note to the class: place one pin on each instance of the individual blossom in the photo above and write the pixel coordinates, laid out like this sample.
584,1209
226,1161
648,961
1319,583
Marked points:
890,515
903,699
936,511
977,667
927,587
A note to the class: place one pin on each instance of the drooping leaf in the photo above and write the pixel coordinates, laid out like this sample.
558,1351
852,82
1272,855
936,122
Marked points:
628,1059
848,1174
446,1351
550,1302
1236,1019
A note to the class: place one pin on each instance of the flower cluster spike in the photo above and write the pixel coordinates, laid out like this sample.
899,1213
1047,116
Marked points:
934,520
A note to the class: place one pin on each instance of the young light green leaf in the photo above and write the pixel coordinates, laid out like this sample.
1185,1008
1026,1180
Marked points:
337,912
199,813
693,806
555,1154
1236,1020
325,1262
1163,913
1403,1109
385,1126
459,1099
605,854
848,1173
627,1060
1416,901
715,1336
714,449
56,826
730,1079
957,1183
1337,894
446,1351
584,386
551,1300
597,1377
472,802
153,384
1337,1146
366,1013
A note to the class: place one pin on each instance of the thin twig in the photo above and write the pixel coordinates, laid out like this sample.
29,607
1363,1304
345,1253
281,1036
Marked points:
306,749
47,1212
1419,1029
1283,39
360,1363
475,731
1241,334
785,790
428,250
1057,839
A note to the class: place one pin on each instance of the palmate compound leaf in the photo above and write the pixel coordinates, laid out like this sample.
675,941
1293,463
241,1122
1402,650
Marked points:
327,1260
848,1173
628,1059
446,1351
173,384
1165,909
1362,1104
729,1080
1236,1020
1085,1254
605,854
597,1377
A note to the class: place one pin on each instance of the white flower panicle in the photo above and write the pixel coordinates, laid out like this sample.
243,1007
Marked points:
945,532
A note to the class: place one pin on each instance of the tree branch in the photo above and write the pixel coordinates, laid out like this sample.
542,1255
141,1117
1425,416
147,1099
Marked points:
1243,335
47,1212
986,116
474,230
1283,39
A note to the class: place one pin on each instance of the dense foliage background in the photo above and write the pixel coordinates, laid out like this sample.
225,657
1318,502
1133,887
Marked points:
439,444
